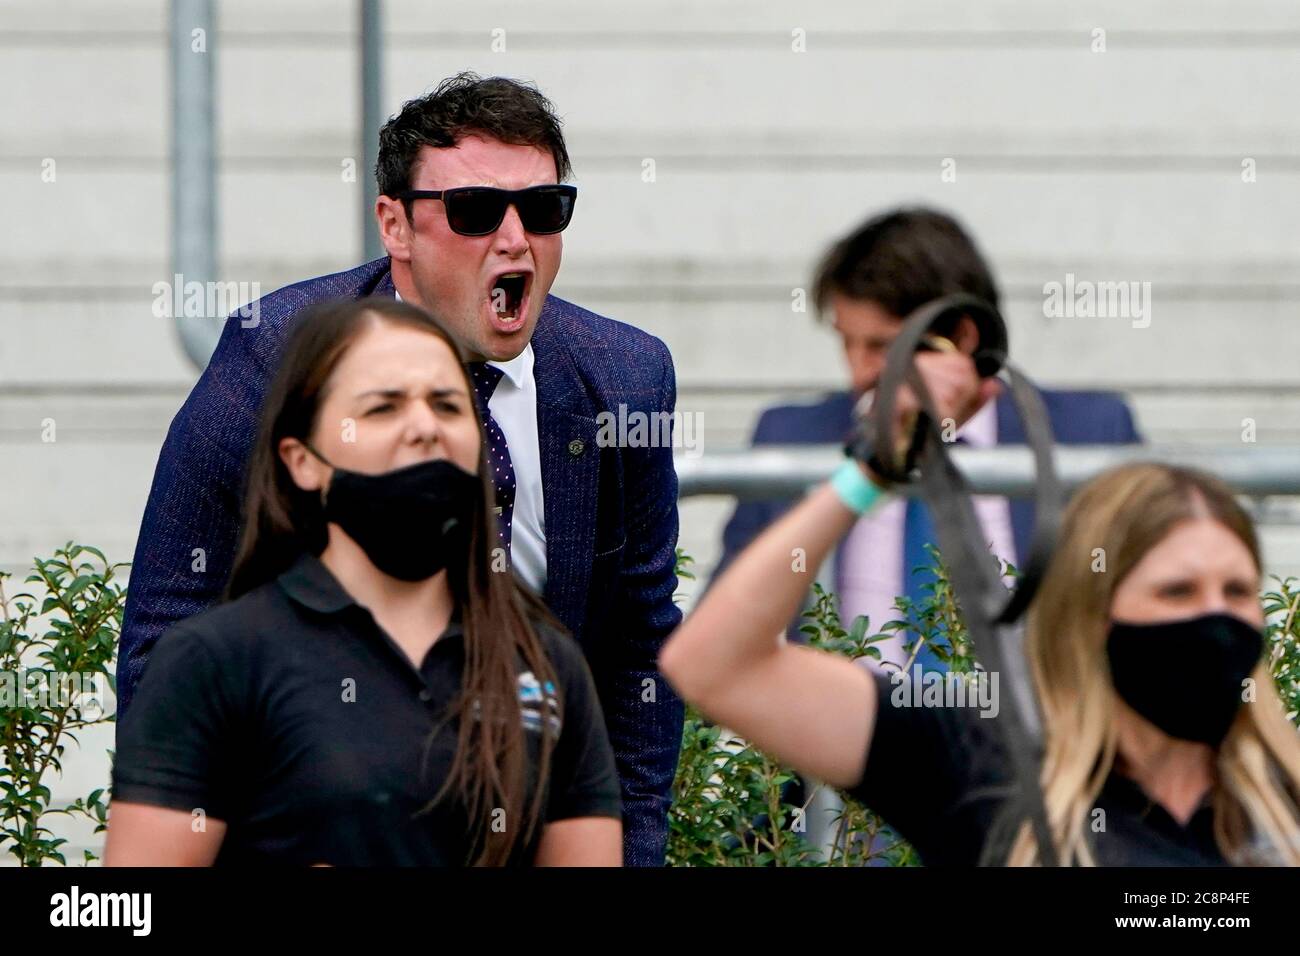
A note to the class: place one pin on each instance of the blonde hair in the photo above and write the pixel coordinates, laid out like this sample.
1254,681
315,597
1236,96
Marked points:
1125,512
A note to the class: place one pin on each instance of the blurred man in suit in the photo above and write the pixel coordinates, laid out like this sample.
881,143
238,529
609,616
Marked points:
471,208
869,281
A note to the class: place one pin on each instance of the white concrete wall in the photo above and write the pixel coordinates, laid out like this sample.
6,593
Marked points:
1122,165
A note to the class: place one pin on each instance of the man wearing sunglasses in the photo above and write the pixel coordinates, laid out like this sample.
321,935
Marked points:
471,210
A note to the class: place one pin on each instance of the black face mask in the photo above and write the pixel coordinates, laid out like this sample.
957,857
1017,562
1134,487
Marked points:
1185,676
412,522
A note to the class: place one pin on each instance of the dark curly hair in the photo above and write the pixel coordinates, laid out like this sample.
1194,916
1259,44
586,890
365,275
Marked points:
506,110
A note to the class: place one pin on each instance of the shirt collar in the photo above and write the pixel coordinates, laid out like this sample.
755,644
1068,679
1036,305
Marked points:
515,369
312,585
309,583
981,429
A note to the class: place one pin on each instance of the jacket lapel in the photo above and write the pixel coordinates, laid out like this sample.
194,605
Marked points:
566,435
385,285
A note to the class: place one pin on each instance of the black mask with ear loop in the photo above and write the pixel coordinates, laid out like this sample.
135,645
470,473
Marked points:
412,522
1187,676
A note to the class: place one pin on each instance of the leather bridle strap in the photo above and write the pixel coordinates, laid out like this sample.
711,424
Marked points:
992,614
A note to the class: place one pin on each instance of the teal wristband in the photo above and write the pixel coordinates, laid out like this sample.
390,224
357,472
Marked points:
855,489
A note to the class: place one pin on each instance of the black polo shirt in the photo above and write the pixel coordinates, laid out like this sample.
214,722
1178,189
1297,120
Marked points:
293,717
941,777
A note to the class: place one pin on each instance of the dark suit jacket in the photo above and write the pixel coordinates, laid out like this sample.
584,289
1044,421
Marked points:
1077,418
611,515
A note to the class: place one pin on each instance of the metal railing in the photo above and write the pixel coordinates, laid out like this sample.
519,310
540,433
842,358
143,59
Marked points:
781,471
194,164
371,37
194,46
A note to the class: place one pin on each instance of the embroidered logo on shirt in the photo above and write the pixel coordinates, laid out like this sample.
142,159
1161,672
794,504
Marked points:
533,703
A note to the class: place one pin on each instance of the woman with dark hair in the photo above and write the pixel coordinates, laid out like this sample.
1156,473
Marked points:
377,688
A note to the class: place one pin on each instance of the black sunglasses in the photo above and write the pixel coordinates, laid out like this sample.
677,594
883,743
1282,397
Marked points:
478,210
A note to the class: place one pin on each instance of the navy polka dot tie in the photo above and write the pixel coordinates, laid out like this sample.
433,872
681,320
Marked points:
485,379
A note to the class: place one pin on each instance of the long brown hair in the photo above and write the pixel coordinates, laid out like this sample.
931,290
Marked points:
1117,518
282,521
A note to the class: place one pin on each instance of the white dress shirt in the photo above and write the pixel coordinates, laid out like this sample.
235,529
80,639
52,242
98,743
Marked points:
871,571
514,406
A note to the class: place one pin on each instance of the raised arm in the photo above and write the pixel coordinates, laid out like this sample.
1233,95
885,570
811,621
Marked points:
805,707
808,708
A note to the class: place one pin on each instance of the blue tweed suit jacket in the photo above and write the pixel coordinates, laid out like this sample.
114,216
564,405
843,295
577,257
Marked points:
610,513
1076,417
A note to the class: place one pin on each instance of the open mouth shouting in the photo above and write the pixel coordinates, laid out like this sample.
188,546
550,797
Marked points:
507,300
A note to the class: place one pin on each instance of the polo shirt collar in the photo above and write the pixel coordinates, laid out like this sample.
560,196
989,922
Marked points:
309,583
312,585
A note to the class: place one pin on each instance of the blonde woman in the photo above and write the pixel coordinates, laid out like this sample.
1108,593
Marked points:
1165,740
